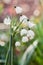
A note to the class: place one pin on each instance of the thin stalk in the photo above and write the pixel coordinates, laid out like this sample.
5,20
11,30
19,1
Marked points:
7,55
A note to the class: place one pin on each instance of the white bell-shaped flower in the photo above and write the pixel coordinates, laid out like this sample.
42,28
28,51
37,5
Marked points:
18,10
23,32
23,18
7,20
25,22
17,44
2,43
35,43
31,24
30,34
25,39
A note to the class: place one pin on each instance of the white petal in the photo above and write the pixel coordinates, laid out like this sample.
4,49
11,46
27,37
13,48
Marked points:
18,10
30,34
35,43
23,32
7,21
2,43
31,24
25,21
17,43
25,39
23,17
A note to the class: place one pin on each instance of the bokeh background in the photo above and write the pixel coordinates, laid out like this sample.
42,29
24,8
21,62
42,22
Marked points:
28,6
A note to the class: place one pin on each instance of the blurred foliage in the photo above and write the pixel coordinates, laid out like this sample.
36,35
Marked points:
1,8
37,58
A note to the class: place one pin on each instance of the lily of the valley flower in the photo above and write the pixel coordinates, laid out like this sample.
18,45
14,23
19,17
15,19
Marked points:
17,44
23,32
7,20
18,10
23,18
2,43
24,23
30,34
31,24
25,39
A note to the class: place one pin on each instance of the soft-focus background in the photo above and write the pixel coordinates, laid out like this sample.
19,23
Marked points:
28,6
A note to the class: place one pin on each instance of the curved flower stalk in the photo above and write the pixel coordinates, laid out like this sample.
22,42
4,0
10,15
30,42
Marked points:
28,53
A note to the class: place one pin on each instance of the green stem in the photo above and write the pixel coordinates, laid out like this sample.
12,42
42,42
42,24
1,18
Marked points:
7,55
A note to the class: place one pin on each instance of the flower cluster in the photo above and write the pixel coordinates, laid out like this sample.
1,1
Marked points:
24,30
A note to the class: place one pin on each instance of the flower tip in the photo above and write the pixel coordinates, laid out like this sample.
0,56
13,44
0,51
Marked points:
25,39
27,19
14,6
18,10
35,43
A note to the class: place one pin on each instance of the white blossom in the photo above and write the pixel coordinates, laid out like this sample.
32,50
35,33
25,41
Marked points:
7,20
35,43
30,34
36,12
25,22
23,32
31,24
18,10
23,18
25,39
4,37
17,43
2,43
